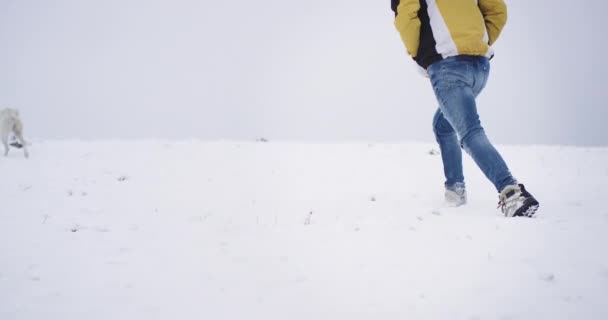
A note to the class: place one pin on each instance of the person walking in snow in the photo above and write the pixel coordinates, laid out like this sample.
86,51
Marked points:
451,40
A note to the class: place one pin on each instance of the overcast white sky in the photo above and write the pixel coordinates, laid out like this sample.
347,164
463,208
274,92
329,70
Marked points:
317,70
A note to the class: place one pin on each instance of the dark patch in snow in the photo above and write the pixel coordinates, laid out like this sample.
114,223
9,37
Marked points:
548,277
35,279
372,199
262,139
72,193
122,178
436,212
75,229
434,152
15,143
419,218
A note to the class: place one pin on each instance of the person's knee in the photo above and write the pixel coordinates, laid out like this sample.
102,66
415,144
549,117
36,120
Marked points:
471,135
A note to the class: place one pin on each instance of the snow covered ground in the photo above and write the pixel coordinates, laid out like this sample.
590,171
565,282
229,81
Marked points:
253,230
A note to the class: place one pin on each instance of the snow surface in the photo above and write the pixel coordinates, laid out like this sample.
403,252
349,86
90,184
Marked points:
253,230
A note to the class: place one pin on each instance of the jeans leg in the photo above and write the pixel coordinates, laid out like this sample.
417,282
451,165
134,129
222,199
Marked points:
488,159
451,153
461,111
454,83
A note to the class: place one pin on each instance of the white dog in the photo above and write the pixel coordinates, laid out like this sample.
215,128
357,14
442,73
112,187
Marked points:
10,122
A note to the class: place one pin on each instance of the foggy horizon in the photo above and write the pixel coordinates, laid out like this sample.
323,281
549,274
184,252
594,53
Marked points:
321,71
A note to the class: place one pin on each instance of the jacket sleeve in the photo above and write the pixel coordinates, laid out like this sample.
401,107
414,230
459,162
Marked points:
495,16
408,25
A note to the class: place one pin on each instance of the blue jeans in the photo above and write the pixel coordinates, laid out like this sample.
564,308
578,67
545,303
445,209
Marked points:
457,81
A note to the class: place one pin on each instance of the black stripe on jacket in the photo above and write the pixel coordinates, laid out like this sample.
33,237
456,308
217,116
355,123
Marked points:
427,52
394,5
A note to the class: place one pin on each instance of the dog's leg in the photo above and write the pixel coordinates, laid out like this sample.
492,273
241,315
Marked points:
5,142
19,134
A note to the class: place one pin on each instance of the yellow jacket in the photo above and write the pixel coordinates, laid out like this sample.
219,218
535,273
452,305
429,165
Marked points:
433,30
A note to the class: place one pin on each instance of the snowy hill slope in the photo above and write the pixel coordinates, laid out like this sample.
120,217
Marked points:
233,230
